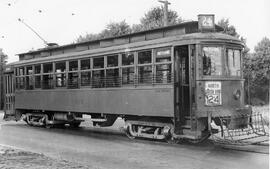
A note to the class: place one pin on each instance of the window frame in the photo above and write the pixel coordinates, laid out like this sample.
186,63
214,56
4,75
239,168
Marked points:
141,80
227,69
20,78
111,73
125,66
222,59
50,75
169,79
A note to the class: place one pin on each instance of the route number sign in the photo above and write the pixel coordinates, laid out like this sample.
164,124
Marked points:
206,22
213,93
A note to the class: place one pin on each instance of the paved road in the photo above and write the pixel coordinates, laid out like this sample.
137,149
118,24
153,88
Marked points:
109,148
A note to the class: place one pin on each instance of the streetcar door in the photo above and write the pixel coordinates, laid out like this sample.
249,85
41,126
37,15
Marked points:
182,85
9,96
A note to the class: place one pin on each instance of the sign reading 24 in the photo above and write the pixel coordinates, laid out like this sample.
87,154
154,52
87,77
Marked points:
213,93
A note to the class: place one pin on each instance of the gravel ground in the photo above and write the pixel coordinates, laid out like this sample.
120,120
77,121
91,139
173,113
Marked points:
11,158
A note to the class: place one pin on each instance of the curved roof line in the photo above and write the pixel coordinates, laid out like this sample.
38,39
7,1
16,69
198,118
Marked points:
181,25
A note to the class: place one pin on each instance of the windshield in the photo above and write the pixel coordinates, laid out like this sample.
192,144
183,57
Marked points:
212,61
233,60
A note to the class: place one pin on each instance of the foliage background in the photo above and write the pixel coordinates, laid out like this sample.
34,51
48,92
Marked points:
3,61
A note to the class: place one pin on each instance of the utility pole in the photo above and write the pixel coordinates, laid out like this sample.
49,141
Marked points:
166,3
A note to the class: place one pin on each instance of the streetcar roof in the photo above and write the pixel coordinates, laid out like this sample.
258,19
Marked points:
190,27
203,37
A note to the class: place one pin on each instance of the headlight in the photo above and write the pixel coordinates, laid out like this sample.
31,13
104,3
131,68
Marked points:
237,94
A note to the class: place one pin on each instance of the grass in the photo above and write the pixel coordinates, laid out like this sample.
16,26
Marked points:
264,110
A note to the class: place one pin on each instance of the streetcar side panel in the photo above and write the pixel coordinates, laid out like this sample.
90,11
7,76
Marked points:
141,102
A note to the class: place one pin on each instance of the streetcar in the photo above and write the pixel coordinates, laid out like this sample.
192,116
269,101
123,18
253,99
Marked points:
180,82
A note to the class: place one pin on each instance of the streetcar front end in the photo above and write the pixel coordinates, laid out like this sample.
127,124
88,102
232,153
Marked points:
221,94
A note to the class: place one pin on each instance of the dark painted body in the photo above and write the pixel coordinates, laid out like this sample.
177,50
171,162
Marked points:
141,101
174,100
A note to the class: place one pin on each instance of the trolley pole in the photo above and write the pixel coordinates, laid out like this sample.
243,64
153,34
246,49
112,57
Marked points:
166,3
23,22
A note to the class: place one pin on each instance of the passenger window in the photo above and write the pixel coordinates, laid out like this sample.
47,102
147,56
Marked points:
47,81
112,61
144,57
60,76
29,78
98,62
48,78
145,71
17,72
73,77
163,55
85,64
21,71
98,79
47,68
86,78
163,73
145,74
128,75
37,69
60,79
20,83
37,81
112,78
73,65
73,80
60,67
127,59
29,70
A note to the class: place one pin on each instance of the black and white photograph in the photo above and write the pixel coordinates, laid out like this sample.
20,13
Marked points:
134,84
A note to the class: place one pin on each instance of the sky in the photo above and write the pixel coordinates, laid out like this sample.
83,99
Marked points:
63,21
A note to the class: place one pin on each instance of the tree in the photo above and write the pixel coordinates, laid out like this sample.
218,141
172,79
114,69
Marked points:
154,18
151,19
112,29
257,72
87,37
116,29
228,29
3,61
262,56
231,30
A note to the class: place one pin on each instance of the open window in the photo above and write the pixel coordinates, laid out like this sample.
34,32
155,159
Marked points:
73,76
47,76
29,78
163,65
86,72
98,73
98,79
112,71
128,69
145,67
98,62
60,74
20,79
37,71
